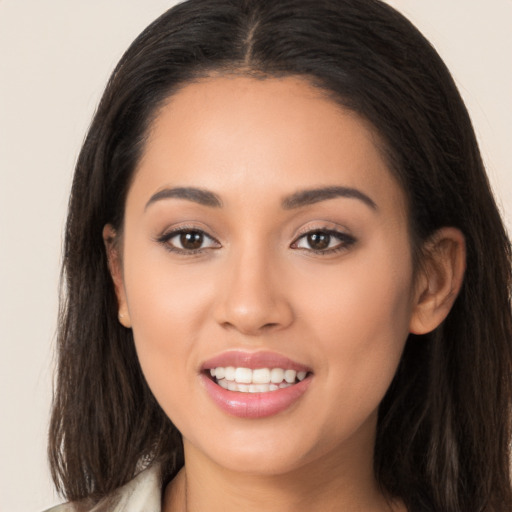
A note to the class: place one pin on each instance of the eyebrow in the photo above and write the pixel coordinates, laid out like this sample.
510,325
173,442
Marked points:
295,200
311,196
197,195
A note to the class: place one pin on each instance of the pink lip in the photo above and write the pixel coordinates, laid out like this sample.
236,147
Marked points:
253,360
254,405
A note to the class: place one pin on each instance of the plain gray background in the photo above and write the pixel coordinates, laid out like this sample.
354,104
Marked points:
55,58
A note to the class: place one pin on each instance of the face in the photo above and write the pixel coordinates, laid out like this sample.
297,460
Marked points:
265,241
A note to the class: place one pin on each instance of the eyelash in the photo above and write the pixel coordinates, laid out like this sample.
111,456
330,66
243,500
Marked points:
166,237
345,241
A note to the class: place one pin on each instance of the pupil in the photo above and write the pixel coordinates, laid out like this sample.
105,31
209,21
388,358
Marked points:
191,240
319,240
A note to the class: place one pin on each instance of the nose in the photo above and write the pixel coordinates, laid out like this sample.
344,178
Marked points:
253,297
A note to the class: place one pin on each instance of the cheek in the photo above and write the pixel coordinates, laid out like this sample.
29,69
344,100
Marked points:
359,319
164,304
168,307
165,298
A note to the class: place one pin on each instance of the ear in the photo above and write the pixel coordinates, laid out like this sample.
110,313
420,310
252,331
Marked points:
116,271
439,279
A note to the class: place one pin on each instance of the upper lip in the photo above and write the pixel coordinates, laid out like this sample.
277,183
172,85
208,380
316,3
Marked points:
253,360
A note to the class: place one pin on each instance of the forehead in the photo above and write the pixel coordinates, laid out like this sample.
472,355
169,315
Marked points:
249,135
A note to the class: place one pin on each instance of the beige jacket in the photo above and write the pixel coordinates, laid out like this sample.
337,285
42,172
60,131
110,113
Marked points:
142,494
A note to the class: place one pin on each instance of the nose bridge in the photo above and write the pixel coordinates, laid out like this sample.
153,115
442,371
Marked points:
253,299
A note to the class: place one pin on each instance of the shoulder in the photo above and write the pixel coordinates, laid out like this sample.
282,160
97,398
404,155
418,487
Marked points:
66,507
144,492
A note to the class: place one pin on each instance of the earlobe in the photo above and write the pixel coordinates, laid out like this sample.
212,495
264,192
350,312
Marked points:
115,267
440,279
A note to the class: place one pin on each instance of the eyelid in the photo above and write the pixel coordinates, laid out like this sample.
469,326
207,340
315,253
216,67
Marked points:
170,233
346,239
323,225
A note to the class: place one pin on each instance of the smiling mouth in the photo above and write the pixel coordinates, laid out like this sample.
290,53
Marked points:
259,380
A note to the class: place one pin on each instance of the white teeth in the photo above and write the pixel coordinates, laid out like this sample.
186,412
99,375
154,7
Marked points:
259,388
230,373
261,376
276,375
243,375
251,388
260,380
289,376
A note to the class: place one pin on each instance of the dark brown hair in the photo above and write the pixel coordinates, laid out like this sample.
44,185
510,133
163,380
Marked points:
444,427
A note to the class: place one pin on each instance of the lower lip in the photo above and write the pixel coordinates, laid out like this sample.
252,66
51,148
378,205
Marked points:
255,405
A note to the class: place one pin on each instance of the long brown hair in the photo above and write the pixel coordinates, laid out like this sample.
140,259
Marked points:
444,426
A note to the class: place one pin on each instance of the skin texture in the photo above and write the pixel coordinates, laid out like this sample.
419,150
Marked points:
257,284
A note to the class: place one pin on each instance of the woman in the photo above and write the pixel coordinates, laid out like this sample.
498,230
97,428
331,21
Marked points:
287,280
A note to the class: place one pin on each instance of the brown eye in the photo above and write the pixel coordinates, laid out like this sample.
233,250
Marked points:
324,241
318,240
188,241
191,240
